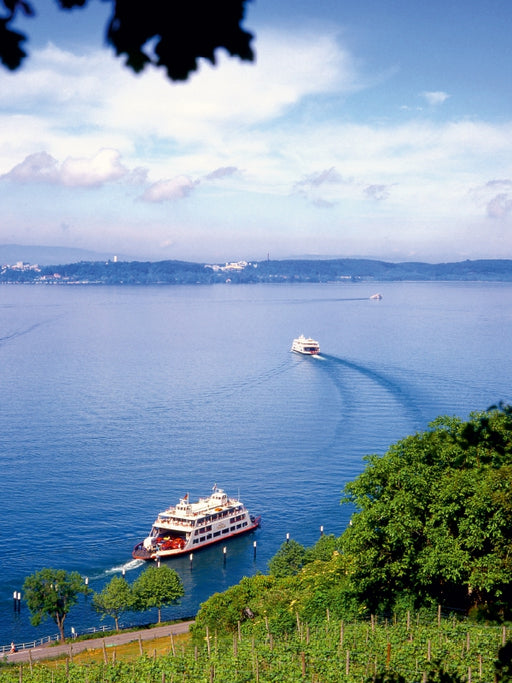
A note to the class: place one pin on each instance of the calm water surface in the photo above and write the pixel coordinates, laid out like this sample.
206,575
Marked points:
116,401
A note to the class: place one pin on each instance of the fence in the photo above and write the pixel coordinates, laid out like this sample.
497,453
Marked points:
5,649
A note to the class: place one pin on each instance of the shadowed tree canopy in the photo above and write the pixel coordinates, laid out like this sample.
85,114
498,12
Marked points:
434,520
288,560
172,34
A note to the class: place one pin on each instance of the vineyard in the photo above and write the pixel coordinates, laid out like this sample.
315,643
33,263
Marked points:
331,652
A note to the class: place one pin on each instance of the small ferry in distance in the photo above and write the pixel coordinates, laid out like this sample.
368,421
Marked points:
188,526
378,297
309,346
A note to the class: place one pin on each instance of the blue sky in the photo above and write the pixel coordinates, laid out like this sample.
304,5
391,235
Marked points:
377,128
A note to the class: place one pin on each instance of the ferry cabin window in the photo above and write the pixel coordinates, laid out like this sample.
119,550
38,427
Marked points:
216,533
225,531
208,536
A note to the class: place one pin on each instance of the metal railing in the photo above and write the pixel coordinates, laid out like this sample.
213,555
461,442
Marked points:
6,649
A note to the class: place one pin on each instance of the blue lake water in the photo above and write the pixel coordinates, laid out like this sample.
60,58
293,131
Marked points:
116,401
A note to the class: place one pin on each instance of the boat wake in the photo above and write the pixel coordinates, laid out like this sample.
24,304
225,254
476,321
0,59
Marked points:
20,333
235,387
128,566
373,389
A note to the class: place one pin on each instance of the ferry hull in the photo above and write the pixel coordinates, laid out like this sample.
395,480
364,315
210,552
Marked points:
140,552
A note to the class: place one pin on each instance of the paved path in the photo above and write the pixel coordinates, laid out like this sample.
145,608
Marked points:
49,651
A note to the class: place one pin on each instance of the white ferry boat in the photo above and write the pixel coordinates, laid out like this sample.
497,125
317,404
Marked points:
189,526
310,347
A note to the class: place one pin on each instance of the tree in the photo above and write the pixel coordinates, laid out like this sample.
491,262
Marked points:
157,587
115,598
167,33
288,560
323,549
434,520
238,604
52,593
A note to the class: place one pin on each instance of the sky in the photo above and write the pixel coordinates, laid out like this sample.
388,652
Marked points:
377,128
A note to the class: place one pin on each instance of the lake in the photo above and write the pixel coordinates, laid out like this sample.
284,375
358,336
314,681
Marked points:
116,401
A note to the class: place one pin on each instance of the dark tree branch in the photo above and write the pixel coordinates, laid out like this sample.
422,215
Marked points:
172,34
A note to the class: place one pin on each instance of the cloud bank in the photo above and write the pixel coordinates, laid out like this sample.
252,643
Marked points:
252,151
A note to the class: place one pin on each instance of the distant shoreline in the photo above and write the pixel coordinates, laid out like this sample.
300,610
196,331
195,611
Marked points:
326,271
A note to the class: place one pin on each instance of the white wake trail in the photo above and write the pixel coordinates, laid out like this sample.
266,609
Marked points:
128,566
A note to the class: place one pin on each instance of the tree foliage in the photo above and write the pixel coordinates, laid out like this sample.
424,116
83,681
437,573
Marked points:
238,604
166,33
52,593
288,560
157,587
434,520
307,584
115,598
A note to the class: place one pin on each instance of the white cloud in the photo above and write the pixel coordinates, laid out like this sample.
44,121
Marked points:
221,173
105,166
37,167
169,190
328,176
80,96
377,192
500,206
435,97
494,198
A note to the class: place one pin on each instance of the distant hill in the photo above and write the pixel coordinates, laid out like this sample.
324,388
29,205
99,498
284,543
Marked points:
102,269
45,256
497,270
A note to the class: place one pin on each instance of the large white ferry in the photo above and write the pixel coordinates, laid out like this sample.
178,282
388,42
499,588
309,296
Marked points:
189,526
310,347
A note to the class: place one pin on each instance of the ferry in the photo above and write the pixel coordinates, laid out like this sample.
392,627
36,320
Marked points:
309,347
188,526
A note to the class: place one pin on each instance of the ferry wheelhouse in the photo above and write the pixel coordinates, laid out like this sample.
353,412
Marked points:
189,526
309,346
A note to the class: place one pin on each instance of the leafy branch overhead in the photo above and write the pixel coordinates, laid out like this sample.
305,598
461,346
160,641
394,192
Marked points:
165,33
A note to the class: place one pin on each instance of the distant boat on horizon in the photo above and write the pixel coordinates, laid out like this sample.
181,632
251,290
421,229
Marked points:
376,296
